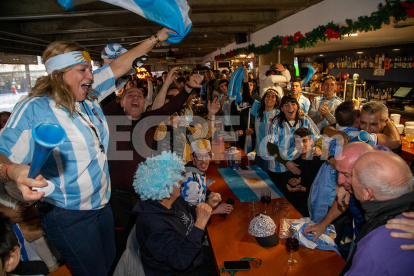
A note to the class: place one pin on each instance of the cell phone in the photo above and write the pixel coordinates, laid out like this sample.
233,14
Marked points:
210,181
236,265
228,201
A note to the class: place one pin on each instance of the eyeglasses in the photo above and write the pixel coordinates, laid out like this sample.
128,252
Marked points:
200,157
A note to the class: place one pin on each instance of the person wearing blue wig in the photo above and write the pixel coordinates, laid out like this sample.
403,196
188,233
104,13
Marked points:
169,230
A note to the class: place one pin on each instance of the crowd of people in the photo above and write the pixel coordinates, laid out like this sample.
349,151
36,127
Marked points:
137,153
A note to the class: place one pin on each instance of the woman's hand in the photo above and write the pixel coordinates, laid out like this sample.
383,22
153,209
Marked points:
213,107
293,167
240,132
163,34
301,112
18,173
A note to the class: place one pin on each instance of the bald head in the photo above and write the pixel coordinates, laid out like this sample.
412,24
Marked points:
381,175
345,160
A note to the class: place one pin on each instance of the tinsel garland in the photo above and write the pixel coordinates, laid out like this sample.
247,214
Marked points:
400,10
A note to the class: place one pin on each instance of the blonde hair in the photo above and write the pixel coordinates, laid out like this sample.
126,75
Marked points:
53,85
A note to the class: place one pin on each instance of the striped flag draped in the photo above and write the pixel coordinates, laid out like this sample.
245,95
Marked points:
172,14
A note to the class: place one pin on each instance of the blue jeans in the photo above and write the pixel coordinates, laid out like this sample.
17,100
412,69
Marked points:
85,239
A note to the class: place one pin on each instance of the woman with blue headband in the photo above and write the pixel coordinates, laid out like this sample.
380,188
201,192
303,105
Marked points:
74,181
263,111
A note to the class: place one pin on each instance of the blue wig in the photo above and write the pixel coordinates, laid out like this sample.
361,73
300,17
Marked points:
156,177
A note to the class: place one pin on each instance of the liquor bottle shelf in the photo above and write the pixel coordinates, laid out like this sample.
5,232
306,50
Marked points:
397,75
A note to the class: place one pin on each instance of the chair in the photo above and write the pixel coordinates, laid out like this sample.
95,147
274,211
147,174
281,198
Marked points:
130,263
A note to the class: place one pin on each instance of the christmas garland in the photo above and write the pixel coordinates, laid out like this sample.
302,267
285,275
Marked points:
400,10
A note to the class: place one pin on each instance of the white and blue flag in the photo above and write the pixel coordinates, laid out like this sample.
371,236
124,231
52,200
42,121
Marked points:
235,84
172,14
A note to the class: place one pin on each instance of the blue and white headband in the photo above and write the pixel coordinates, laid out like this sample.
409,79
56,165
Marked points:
67,59
113,50
272,91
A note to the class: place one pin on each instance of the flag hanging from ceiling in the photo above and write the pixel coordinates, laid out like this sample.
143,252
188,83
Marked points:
172,14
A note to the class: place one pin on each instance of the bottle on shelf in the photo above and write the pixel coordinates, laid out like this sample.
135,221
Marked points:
376,62
371,63
404,63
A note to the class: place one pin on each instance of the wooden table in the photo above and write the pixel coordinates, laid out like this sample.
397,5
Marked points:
230,240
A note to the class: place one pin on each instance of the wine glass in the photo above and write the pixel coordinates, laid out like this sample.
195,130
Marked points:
292,245
409,136
265,198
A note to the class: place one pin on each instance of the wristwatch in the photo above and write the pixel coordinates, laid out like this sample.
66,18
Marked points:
327,160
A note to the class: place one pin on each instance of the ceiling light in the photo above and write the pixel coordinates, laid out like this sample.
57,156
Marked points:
360,53
351,34
321,55
395,49
242,55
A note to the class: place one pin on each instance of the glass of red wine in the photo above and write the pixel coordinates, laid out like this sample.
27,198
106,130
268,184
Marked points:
265,198
292,245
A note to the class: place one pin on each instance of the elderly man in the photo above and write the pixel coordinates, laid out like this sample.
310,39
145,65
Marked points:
344,161
169,230
383,183
374,119
296,92
193,188
323,108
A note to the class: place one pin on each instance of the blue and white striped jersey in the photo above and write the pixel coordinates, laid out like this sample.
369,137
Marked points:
304,103
283,138
329,119
76,171
193,188
262,127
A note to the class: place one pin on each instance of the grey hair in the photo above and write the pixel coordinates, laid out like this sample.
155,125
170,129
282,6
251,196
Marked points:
374,107
371,176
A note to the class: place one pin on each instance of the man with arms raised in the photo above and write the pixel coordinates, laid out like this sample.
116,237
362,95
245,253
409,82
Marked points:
383,183
131,138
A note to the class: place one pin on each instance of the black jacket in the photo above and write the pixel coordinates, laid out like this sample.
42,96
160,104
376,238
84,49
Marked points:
170,244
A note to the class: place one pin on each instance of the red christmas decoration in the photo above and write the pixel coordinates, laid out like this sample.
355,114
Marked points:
330,33
307,34
245,51
284,41
297,36
232,53
409,8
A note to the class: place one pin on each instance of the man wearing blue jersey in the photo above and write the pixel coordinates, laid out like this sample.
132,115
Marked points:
323,108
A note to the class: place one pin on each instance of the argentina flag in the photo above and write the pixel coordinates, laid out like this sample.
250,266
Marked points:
172,14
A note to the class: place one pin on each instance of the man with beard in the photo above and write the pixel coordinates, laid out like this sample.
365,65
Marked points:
194,188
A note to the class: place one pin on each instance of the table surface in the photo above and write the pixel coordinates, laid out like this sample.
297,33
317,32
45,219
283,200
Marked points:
230,240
